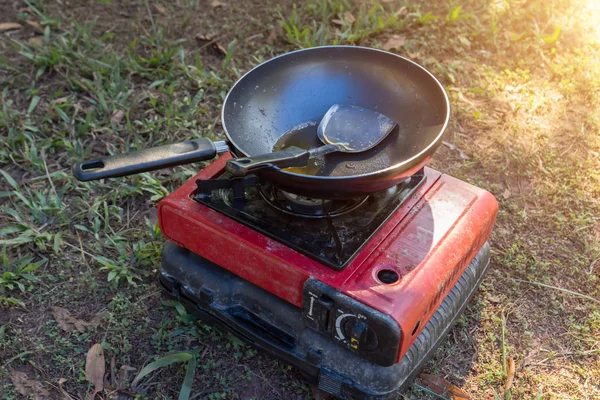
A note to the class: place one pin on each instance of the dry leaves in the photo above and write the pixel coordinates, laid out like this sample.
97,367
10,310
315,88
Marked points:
63,392
494,299
440,386
9,26
211,40
453,147
94,368
278,30
506,194
122,379
36,41
220,48
26,386
68,323
205,38
394,42
510,374
349,17
216,3
35,25
161,9
117,117
402,12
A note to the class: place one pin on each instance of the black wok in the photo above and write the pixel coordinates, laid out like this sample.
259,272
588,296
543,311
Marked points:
299,87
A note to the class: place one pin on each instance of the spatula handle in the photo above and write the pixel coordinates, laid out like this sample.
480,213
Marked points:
290,157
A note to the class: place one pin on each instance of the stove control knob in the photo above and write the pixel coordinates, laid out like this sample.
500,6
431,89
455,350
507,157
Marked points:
360,336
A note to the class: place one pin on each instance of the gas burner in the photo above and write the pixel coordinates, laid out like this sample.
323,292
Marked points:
308,207
331,231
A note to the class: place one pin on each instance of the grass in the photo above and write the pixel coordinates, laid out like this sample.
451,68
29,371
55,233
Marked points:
99,79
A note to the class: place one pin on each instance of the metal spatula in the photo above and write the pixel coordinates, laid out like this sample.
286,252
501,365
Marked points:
348,129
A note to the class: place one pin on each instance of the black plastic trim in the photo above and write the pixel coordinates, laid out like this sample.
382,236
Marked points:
220,298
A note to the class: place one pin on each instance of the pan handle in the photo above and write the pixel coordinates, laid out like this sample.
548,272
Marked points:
290,157
151,159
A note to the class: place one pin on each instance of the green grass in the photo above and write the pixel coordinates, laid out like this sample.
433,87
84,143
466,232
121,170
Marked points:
524,83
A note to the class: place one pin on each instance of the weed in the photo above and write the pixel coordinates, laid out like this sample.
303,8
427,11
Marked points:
427,17
118,270
42,209
18,273
367,19
324,10
309,36
456,15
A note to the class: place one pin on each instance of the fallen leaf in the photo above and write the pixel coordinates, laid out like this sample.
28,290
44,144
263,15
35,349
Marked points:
394,42
451,146
216,3
26,386
121,379
457,393
97,319
433,383
116,117
63,318
61,100
9,26
349,17
19,380
67,322
35,25
440,386
388,1
402,12
337,22
205,38
510,374
63,392
506,194
161,9
219,48
94,368
278,30
36,41
494,299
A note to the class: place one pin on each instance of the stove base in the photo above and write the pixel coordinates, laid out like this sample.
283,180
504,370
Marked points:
275,326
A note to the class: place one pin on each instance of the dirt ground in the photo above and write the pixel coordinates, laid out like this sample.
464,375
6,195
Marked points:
83,78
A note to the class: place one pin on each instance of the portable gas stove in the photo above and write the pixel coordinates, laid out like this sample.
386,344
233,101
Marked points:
357,293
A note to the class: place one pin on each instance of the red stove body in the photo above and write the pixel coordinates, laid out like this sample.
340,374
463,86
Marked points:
392,286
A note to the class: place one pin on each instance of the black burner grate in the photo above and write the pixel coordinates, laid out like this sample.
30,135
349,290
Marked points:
329,231
307,207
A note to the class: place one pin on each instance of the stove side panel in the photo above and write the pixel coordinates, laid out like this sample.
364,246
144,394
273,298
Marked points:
427,251
240,256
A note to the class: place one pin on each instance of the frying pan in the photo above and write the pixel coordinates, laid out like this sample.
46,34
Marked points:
299,87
